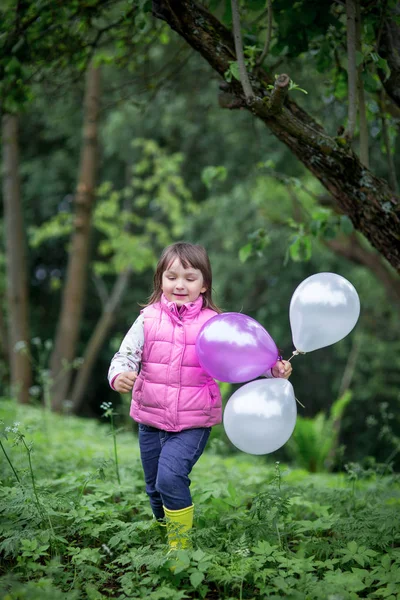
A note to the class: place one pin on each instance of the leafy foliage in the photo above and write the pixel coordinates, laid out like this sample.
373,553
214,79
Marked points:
136,221
314,440
155,89
261,530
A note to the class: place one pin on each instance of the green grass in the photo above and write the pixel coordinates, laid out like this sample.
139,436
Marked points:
262,530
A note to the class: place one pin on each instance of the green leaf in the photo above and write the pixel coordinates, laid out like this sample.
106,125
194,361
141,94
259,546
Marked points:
245,252
338,407
182,561
301,249
232,71
352,546
196,578
212,174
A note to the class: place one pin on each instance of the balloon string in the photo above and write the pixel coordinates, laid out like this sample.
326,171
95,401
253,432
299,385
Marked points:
295,353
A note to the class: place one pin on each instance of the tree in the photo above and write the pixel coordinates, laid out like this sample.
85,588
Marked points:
131,226
367,199
17,277
74,290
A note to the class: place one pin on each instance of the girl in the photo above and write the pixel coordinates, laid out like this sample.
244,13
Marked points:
174,400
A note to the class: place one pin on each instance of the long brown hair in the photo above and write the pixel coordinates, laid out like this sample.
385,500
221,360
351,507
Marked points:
190,255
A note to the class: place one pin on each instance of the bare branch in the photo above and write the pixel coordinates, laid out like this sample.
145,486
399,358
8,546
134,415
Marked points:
386,141
237,34
265,51
101,289
389,48
362,114
381,22
279,94
351,69
98,337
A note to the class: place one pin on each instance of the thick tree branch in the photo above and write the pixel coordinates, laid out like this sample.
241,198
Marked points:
227,100
349,247
369,202
279,94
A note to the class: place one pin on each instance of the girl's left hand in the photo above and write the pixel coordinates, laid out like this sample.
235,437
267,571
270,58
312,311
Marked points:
282,369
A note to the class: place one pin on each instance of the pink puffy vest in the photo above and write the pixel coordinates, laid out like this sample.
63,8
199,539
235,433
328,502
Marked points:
172,391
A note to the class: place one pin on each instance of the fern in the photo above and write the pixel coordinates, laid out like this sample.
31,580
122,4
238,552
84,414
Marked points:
258,534
314,440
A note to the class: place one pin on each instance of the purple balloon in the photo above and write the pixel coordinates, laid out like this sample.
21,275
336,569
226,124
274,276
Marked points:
233,347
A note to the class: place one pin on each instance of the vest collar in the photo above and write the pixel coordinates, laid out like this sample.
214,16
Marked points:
186,311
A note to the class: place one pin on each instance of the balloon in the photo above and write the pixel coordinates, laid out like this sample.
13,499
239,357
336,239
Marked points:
260,416
235,348
323,310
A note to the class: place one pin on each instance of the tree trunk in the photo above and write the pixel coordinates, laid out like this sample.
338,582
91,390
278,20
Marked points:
4,350
75,284
17,278
368,201
97,339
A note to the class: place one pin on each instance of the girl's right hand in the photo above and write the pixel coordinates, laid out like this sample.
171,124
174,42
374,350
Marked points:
125,381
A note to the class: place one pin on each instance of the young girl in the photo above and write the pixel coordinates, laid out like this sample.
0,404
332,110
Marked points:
174,400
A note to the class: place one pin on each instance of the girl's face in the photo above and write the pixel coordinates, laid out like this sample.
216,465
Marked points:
182,285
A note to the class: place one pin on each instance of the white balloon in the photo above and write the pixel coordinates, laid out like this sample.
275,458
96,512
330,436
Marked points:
323,310
260,416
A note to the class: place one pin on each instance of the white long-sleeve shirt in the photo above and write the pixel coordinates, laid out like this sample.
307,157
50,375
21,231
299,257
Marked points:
129,355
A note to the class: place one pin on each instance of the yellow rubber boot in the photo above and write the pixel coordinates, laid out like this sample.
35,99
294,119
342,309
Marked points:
179,523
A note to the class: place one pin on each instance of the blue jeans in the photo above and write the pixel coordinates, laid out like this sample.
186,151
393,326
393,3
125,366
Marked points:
167,459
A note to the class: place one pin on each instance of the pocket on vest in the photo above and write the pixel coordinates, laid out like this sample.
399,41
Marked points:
214,395
148,397
137,393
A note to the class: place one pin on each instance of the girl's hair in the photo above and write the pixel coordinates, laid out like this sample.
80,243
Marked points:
190,255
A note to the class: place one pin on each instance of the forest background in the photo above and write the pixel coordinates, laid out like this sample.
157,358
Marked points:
121,135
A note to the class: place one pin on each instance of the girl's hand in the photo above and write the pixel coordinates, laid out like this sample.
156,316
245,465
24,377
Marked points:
125,381
282,368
